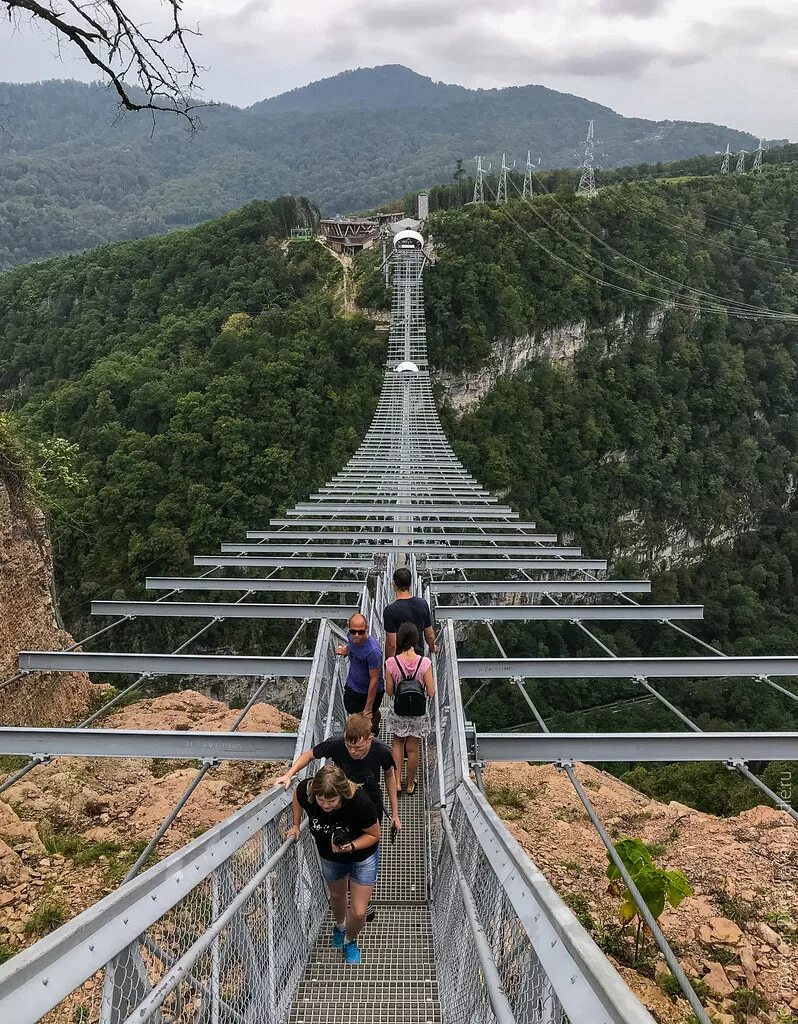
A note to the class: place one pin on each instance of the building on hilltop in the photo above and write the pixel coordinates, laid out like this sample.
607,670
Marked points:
349,235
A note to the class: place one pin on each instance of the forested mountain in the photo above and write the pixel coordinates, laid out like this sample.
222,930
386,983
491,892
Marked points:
75,173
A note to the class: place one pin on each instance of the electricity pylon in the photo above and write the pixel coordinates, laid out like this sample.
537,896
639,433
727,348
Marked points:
740,168
527,191
501,192
479,189
587,182
724,167
756,169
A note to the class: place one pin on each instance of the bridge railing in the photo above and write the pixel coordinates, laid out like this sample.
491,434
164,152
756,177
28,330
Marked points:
507,948
217,933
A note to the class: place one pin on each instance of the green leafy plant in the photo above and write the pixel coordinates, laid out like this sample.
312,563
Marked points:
6,952
735,909
656,885
581,909
747,1003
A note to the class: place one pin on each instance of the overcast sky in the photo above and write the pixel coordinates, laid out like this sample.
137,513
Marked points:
728,61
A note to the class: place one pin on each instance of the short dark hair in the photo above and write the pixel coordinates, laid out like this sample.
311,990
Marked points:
403,578
406,636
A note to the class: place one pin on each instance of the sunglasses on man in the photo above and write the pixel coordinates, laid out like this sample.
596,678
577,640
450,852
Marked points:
357,632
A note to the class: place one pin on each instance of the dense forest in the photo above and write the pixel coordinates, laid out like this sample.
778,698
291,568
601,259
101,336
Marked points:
208,380
74,173
205,378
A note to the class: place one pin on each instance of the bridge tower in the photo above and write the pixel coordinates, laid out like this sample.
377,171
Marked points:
587,182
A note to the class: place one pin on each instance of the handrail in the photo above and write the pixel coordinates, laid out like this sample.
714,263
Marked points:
493,982
180,969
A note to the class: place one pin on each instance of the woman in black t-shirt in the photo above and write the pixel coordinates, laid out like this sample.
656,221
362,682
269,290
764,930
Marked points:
346,830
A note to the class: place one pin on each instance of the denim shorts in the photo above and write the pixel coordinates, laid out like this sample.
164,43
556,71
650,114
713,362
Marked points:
362,872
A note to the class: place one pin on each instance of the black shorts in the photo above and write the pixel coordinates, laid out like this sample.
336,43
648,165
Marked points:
354,701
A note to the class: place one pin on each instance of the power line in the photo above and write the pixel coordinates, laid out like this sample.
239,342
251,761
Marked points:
717,302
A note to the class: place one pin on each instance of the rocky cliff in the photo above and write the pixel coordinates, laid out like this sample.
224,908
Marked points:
466,389
29,620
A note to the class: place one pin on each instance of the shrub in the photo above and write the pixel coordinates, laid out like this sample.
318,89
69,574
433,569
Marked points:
46,918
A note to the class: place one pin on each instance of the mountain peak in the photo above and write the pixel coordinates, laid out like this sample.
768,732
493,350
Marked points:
387,85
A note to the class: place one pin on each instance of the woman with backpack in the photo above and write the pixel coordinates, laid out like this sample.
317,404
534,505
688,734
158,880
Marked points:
345,828
408,679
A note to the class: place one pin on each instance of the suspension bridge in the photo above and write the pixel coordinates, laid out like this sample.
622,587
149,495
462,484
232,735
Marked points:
233,927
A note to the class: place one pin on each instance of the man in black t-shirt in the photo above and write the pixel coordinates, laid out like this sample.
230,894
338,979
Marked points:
361,758
407,608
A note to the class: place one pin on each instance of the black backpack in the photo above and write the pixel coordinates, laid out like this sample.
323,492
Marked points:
410,697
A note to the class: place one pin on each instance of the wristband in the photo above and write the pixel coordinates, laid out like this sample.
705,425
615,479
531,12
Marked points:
352,847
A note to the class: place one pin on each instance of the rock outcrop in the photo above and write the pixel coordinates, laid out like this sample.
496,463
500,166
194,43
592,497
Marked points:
29,620
559,344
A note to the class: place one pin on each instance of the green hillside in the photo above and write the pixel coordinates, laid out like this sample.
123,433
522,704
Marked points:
205,377
74,173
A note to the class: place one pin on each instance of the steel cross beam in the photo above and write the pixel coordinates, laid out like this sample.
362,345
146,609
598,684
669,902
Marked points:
423,511
284,561
221,610
540,586
419,522
625,668
218,746
164,664
237,583
663,746
566,612
439,562
390,544
421,539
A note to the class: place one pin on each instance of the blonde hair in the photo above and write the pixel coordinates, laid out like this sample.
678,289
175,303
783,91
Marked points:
330,782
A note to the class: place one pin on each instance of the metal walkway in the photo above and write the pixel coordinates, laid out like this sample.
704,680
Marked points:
233,928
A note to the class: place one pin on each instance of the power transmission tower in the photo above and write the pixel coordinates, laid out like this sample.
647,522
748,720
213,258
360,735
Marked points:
724,168
501,192
740,168
479,189
527,191
587,183
758,159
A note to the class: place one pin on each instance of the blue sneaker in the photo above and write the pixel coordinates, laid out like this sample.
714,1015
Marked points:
337,940
351,952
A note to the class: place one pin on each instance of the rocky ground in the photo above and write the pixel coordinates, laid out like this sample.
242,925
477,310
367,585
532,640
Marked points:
70,830
737,934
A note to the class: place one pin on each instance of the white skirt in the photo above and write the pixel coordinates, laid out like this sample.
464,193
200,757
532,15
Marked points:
407,725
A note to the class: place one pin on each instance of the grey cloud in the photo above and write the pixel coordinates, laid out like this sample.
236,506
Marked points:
401,15
633,8
747,28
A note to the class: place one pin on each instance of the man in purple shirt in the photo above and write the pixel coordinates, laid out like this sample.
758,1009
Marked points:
364,688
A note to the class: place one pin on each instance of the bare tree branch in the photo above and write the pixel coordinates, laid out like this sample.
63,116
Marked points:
124,51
